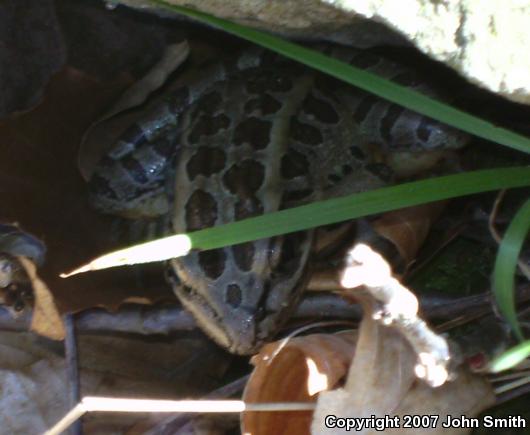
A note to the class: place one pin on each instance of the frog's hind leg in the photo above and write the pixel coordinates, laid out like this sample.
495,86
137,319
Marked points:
130,180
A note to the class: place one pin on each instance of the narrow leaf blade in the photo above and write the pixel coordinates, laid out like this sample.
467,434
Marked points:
506,262
511,357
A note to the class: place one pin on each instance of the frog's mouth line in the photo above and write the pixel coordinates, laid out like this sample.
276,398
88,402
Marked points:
205,314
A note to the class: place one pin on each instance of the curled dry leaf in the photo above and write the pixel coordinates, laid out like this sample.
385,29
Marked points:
294,372
46,319
407,228
381,382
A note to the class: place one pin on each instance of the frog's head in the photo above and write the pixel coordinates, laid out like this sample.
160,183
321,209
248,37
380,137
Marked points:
410,151
412,132
226,314
241,295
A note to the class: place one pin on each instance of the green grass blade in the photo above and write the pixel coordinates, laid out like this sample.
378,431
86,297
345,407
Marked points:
358,205
506,262
511,357
313,215
372,83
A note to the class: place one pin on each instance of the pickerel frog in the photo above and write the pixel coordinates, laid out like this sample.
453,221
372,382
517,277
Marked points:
255,135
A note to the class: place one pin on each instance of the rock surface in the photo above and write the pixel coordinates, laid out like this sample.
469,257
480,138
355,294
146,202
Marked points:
484,41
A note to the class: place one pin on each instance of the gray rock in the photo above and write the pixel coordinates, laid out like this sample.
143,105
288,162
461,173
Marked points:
483,41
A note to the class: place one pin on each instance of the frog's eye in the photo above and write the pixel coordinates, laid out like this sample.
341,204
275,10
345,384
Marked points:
442,136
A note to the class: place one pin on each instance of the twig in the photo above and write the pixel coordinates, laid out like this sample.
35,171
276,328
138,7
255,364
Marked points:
108,404
512,394
509,376
156,319
72,369
171,425
285,341
512,385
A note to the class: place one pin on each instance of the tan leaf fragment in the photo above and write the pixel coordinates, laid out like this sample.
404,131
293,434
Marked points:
46,319
388,301
381,382
407,228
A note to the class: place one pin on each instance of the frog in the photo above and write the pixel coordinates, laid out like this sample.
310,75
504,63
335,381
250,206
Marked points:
252,135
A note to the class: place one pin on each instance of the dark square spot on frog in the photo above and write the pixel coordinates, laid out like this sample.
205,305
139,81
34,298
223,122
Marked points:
266,58
209,103
384,172
263,105
357,152
244,255
294,164
213,262
206,161
201,211
320,109
254,131
208,125
389,120
334,178
134,135
233,295
247,207
406,78
135,169
291,253
364,107
268,81
364,60
338,176
245,178
179,100
164,147
100,186
291,196
305,133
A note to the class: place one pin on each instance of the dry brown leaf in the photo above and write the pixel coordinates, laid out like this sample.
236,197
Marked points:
46,195
46,319
407,228
381,381
295,371
137,300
